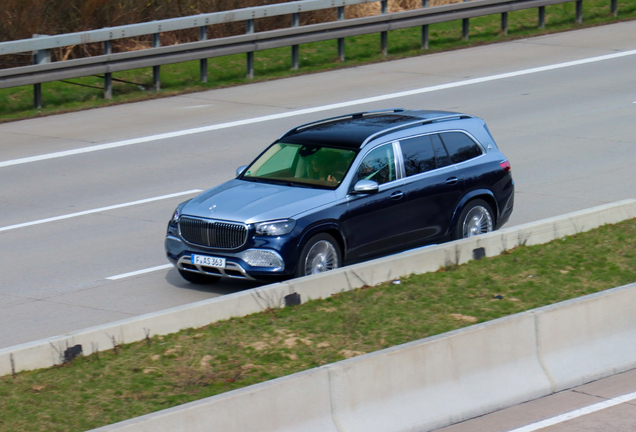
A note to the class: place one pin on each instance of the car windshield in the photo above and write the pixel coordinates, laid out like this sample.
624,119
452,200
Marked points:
302,165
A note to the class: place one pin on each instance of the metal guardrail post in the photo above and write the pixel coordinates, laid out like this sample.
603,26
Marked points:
249,28
579,11
614,7
156,70
504,23
108,77
341,41
384,36
295,51
39,57
425,28
465,27
203,63
541,17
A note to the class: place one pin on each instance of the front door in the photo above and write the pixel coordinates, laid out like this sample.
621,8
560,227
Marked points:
374,223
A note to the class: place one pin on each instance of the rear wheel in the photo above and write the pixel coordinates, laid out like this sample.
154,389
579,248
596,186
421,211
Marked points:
475,219
320,254
198,278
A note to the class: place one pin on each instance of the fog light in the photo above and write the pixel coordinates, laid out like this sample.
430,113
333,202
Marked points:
263,258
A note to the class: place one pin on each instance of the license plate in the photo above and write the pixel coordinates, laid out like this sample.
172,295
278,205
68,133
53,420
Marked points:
208,261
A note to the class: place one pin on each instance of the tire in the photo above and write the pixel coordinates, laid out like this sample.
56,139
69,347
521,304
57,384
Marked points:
198,278
320,254
475,219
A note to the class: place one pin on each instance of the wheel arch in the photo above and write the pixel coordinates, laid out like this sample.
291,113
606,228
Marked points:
331,228
483,194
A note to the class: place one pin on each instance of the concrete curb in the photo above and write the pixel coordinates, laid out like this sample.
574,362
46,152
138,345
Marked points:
50,351
430,383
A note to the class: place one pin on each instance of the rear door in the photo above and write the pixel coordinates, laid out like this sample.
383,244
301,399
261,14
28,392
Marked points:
433,189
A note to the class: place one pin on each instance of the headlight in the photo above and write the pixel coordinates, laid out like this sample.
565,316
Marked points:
275,228
175,216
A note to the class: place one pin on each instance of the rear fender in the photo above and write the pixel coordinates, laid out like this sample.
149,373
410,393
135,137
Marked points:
484,194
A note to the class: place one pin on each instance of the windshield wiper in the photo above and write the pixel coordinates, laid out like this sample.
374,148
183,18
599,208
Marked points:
269,181
284,182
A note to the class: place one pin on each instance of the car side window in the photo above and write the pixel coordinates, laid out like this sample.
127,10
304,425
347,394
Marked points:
418,155
460,147
440,152
378,165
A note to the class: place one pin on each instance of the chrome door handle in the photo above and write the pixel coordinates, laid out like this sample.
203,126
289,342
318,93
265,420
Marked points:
397,195
452,180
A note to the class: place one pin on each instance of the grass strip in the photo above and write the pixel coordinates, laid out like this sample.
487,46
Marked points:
17,103
166,371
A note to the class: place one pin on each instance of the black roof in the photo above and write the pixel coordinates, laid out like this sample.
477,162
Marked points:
352,130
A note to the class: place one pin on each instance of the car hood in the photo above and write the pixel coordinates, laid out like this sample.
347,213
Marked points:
249,202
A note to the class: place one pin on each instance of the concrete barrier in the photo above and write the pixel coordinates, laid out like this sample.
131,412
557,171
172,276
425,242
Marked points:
48,352
431,383
585,339
298,402
440,380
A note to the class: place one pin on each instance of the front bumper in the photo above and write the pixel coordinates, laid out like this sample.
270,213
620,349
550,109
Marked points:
248,264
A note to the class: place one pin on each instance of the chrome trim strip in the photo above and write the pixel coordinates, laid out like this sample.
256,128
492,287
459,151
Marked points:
399,160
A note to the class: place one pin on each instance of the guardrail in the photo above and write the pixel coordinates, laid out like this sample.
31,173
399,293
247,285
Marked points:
249,43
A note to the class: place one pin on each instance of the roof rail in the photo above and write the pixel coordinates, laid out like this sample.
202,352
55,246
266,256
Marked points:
413,124
332,119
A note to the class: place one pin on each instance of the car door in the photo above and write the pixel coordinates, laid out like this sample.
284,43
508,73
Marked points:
373,223
433,189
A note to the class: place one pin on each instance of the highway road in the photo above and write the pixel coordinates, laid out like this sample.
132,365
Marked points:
85,197
606,405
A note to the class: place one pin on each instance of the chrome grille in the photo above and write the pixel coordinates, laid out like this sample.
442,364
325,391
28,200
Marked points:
212,233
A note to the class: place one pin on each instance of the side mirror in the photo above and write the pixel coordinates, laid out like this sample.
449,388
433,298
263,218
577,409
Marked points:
240,170
365,187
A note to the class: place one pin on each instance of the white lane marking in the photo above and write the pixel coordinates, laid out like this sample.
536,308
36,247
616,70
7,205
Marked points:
315,109
577,413
196,106
101,209
138,272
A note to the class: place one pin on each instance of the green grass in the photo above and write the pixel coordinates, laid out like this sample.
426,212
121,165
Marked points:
170,370
17,103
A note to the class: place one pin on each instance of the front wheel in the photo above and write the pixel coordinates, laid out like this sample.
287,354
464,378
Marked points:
198,278
475,219
320,254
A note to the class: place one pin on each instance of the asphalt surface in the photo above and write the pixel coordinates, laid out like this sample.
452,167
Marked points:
567,411
568,132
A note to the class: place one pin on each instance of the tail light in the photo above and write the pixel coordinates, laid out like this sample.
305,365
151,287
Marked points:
505,165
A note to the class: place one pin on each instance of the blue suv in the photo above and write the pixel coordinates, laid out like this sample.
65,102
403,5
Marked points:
343,190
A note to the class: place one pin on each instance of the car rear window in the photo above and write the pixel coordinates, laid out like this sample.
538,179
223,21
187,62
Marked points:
418,155
460,147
